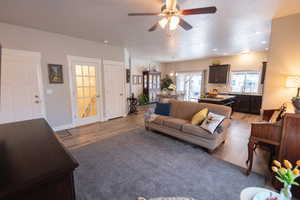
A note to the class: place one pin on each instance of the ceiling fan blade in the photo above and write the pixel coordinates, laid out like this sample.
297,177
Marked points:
143,14
185,25
154,27
197,11
171,4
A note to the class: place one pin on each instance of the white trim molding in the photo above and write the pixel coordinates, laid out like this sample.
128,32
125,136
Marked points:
111,62
62,127
77,59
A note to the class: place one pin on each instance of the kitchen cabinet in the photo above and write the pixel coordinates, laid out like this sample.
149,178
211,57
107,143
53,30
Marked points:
247,103
218,74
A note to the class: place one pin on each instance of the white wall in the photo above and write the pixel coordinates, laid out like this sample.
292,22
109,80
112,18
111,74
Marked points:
284,59
252,62
54,49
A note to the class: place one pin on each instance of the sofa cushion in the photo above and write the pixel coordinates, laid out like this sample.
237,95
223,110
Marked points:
198,131
174,123
186,110
163,109
212,122
199,117
159,119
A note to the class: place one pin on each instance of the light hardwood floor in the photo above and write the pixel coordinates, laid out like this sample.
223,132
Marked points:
234,150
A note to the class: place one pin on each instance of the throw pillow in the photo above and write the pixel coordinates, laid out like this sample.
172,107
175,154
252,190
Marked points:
212,122
163,109
199,117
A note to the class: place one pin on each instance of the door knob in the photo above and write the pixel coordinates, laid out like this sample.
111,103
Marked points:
121,94
36,96
37,102
97,96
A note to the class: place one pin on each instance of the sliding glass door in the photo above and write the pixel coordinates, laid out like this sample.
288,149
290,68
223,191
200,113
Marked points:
189,85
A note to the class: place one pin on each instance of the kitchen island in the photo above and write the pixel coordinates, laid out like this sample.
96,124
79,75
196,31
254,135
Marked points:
226,100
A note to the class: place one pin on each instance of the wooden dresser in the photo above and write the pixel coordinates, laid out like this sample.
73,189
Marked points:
33,163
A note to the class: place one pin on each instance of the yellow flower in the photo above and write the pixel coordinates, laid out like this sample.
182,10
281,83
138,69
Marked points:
287,164
298,163
296,171
275,169
277,163
282,171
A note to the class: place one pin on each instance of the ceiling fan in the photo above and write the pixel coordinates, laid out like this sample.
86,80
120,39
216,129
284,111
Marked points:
172,15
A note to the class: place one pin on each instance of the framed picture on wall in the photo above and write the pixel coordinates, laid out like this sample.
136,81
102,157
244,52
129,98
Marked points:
55,73
135,79
140,79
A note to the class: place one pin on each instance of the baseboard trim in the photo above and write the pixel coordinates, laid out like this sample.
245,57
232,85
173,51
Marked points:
62,127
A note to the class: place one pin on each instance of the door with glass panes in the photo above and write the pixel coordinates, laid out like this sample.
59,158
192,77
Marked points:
189,85
86,92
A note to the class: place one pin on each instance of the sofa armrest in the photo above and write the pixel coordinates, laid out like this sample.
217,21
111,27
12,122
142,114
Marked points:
148,113
223,126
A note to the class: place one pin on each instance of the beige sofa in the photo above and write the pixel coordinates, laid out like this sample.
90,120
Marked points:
178,124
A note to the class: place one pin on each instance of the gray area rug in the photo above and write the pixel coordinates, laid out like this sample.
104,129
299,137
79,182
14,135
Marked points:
148,164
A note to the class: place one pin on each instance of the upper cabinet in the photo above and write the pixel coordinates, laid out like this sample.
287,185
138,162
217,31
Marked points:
218,74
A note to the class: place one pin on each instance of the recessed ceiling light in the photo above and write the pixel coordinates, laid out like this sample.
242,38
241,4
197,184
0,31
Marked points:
267,49
225,54
215,49
264,42
257,32
105,41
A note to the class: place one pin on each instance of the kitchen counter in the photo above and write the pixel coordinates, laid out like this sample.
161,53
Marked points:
227,100
238,93
220,97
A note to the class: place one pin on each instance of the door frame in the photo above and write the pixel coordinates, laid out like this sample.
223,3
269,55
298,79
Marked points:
111,62
79,59
37,58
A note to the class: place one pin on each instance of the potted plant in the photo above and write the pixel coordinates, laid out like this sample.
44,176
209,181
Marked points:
287,175
166,82
172,88
143,99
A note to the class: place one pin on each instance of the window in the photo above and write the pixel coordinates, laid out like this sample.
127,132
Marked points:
189,84
245,82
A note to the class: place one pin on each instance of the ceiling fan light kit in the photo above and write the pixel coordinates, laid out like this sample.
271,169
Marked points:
172,15
163,22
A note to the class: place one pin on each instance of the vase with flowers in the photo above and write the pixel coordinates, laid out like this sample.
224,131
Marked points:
287,175
172,89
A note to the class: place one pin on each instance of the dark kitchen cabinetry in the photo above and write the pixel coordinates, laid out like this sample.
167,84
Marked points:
255,104
218,74
242,104
263,73
248,104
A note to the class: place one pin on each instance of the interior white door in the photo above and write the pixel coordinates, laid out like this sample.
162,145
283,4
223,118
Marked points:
114,83
21,92
86,92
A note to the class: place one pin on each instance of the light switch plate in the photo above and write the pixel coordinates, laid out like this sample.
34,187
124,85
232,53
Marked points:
49,91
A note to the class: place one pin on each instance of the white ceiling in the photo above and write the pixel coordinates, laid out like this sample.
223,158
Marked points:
237,25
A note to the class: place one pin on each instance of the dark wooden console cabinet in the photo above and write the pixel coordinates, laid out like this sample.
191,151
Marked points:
33,163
